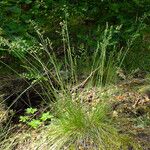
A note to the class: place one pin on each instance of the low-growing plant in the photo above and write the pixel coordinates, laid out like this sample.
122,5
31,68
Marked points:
78,127
34,121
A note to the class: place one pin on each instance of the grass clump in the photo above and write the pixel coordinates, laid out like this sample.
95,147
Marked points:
78,126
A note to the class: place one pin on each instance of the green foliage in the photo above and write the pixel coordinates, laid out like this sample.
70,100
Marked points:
46,116
31,110
24,119
107,57
75,39
17,48
19,20
34,121
76,126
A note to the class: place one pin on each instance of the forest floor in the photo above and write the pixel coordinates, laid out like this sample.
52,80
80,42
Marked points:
130,103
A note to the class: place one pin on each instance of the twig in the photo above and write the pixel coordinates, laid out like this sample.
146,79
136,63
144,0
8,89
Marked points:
82,85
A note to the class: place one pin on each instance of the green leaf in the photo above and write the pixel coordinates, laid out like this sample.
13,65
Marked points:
31,110
34,123
24,119
46,116
28,1
15,9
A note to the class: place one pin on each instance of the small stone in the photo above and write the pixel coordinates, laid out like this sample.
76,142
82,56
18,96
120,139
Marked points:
115,114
